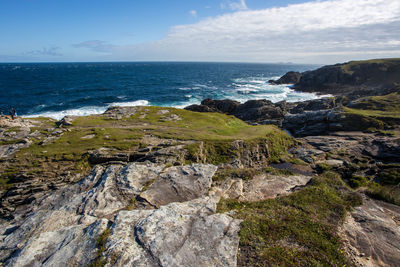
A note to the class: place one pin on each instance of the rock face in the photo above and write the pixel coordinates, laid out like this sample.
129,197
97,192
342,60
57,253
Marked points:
314,122
253,111
372,234
62,228
178,234
312,117
270,186
179,184
354,79
291,77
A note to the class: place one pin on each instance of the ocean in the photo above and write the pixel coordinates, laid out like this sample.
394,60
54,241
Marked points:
58,89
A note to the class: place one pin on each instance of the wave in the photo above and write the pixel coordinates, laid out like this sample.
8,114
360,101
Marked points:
85,111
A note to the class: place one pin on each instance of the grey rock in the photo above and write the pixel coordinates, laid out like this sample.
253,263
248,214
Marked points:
267,186
291,77
117,113
178,234
68,246
372,234
66,121
178,184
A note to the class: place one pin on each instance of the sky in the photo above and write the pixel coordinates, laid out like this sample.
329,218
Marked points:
265,31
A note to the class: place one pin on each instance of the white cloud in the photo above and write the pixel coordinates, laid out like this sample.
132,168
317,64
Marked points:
315,32
193,13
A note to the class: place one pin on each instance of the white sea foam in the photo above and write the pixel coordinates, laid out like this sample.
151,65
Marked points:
241,89
132,103
85,111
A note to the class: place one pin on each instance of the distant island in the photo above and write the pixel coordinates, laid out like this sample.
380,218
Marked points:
221,183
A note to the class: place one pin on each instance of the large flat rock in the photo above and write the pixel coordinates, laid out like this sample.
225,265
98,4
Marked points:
178,234
178,184
372,234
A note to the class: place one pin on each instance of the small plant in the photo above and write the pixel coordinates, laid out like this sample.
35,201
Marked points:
101,247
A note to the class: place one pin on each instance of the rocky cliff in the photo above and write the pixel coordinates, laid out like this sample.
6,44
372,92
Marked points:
352,79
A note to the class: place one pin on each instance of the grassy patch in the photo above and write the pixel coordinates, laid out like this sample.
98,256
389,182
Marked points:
347,68
276,171
278,143
387,193
295,230
68,154
387,187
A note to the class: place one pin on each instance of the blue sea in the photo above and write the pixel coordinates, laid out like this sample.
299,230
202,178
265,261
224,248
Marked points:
59,89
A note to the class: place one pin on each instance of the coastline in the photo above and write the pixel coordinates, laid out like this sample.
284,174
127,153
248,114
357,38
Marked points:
220,170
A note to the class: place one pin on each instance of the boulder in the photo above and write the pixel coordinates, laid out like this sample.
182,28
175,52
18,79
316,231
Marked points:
258,110
66,121
224,106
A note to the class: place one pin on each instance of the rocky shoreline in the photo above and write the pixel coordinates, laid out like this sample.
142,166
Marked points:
216,184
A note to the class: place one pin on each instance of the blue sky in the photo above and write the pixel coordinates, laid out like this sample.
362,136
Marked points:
203,30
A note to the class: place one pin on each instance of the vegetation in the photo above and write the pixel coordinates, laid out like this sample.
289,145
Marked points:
101,247
347,67
68,154
295,230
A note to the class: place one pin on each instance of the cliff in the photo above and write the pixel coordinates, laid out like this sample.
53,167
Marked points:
353,79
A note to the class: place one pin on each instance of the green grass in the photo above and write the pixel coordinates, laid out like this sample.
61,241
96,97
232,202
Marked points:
375,112
69,152
347,67
295,230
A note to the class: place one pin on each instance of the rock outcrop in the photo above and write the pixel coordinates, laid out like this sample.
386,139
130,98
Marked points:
354,79
292,77
372,234
63,227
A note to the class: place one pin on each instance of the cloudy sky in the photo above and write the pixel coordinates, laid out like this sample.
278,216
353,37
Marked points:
297,31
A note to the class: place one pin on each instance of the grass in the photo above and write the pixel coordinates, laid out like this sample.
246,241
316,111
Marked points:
295,230
385,186
101,247
347,67
374,112
68,154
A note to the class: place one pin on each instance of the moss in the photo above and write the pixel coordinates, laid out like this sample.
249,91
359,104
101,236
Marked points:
387,193
298,161
132,204
295,230
322,167
10,142
276,171
278,143
101,247
147,185
389,176
358,181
